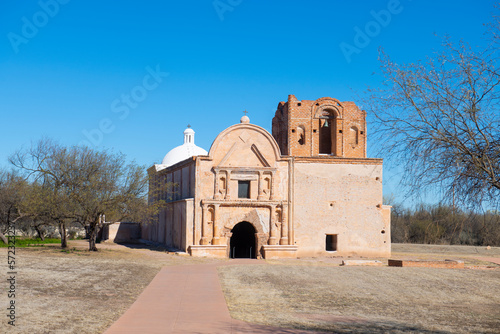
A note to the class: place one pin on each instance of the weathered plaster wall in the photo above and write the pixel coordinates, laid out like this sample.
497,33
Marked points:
125,231
241,152
342,199
171,228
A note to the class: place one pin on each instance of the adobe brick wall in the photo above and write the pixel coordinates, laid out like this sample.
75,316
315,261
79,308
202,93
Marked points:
306,117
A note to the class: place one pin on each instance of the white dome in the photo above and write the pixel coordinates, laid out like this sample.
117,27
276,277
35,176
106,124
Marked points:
184,151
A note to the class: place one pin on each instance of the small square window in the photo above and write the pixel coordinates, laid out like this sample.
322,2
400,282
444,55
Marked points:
331,242
243,189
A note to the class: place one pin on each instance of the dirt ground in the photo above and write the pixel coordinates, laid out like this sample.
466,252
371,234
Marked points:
80,292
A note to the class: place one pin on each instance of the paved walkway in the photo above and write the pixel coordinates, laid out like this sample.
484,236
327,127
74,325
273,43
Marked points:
187,299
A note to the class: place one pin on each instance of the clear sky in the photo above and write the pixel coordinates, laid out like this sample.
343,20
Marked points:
130,75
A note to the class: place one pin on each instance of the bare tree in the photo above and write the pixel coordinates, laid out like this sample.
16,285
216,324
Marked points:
104,183
81,184
49,198
50,203
440,119
39,225
12,191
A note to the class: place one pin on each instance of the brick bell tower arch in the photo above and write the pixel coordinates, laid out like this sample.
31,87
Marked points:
307,128
327,118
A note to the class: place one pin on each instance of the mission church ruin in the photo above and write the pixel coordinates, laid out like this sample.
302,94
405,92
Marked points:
306,190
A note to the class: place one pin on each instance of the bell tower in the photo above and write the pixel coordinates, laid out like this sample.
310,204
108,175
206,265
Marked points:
324,128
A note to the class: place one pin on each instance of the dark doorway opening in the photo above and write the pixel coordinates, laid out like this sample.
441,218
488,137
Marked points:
243,241
331,242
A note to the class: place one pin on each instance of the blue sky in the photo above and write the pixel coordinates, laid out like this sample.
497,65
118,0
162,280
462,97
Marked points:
132,74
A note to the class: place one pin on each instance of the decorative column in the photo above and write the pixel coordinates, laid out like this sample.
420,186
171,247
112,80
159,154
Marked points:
228,182
272,227
284,225
273,173
204,226
261,192
216,240
217,194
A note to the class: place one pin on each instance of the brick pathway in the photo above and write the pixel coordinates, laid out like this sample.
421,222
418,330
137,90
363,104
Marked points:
187,299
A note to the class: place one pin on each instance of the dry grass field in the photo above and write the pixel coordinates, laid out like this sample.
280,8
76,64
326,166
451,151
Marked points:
318,294
78,291
82,292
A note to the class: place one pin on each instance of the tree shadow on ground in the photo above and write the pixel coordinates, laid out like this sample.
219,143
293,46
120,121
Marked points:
151,247
341,328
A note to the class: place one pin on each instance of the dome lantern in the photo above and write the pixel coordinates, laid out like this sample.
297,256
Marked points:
189,135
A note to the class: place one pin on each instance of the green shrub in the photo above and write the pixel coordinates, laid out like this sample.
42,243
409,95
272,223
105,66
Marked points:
32,242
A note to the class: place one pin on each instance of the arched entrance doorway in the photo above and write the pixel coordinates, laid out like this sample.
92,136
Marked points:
242,244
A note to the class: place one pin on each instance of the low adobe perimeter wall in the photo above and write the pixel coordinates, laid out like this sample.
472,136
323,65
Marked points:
430,264
123,232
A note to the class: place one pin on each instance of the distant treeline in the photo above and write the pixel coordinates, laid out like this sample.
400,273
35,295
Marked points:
443,224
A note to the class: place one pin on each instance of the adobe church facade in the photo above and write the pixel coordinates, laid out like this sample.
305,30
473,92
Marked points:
306,190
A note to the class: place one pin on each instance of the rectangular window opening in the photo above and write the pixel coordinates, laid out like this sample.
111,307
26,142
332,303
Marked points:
243,189
331,242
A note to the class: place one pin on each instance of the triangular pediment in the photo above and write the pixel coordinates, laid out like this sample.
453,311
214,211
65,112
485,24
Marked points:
243,154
